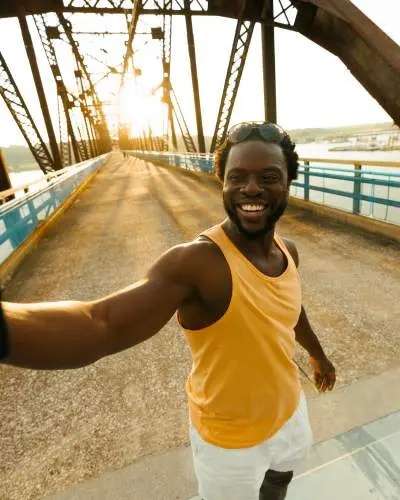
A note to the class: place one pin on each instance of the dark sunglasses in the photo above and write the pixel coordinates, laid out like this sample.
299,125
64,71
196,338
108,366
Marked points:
269,132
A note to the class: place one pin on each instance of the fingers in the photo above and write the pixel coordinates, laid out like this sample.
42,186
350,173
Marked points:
319,381
325,383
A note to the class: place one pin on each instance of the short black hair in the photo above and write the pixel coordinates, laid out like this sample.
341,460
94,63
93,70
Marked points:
287,145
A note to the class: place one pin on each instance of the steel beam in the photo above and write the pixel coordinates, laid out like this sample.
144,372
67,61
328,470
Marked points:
195,81
19,111
136,7
85,112
371,56
149,7
240,48
166,61
30,51
104,135
50,52
187,138
83,145
64,136
268,58
5,182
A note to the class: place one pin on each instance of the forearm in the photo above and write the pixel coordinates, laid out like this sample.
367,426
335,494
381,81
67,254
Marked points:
306,337
56,335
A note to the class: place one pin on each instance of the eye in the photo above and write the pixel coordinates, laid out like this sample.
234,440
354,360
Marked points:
271,177
235,177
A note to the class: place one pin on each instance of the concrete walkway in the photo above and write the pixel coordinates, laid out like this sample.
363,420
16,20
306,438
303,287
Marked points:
125,417
362,464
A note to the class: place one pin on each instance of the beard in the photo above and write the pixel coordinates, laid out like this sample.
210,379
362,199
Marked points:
269,223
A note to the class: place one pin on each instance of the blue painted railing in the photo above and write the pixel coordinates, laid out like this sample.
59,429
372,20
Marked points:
189,161
372,192
20,217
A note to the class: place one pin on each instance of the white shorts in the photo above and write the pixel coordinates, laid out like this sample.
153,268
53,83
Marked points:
237,474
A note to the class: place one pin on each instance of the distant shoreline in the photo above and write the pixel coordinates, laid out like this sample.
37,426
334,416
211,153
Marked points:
364,148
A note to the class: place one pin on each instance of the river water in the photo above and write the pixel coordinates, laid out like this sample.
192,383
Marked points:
375,210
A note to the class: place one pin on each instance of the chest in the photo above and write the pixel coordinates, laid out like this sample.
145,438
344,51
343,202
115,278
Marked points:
257,284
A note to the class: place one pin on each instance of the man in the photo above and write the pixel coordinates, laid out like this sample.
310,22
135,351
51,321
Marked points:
237,293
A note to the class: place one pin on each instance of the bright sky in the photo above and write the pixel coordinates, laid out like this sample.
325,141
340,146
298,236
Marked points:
314,88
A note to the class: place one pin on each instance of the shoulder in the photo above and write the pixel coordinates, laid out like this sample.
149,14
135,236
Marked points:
291,246
185,262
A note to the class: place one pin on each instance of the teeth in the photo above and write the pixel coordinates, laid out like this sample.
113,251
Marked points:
252,208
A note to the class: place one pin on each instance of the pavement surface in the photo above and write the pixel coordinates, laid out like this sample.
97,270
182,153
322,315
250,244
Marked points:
361,464
125,416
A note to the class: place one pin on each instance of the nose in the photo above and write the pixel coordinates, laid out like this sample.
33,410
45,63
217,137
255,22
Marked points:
252,187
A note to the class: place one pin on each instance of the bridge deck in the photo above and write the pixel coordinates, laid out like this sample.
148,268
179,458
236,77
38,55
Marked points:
68,426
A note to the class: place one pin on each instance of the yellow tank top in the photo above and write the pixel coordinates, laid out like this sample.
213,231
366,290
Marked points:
244,384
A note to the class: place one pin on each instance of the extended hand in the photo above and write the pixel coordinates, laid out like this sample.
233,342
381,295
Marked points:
324,374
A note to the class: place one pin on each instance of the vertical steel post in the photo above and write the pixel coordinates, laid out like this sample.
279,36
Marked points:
195,82
172,125
268,57
5,182
30,51
88,135
94,136
357,189
307,180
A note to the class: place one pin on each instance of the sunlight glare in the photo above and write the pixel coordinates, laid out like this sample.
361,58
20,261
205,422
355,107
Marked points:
139,110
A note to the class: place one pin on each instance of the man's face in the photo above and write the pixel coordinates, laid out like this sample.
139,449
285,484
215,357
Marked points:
255,187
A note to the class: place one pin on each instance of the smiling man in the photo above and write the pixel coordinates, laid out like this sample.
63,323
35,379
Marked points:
237,292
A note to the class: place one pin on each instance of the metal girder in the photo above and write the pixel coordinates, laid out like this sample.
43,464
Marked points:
127,5
371,56
268,62
166,61
85,111
45,31
187,138
155,7
31,55
195,81
136,7
100,120
240,47
65,150
82,145
284,12
16,104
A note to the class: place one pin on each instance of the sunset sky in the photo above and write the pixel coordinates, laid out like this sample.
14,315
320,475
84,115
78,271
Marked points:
314,88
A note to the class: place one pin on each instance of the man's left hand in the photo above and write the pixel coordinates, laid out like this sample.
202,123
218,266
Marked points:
324,374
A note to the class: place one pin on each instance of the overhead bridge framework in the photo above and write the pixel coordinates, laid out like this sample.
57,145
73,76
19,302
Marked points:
336,25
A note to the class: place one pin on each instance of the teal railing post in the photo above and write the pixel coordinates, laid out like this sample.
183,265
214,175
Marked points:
357,189
306,180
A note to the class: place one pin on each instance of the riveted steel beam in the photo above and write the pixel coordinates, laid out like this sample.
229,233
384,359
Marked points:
19,111
47,34
30,52
240,46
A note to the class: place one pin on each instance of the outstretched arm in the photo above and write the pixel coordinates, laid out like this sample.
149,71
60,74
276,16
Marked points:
71,334
324,371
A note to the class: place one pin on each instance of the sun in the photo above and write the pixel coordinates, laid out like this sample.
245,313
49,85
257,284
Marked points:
139,110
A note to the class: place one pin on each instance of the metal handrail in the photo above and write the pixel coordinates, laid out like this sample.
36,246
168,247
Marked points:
367,163
21,216
356,176
25,187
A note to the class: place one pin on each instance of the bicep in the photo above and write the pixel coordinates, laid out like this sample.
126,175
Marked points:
142,309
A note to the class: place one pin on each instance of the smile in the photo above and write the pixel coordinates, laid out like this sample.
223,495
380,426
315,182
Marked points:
253,207
252,212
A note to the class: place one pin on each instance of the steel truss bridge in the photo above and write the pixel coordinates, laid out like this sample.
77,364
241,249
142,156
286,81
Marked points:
84,128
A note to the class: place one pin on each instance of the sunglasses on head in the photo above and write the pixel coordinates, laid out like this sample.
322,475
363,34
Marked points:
269,132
